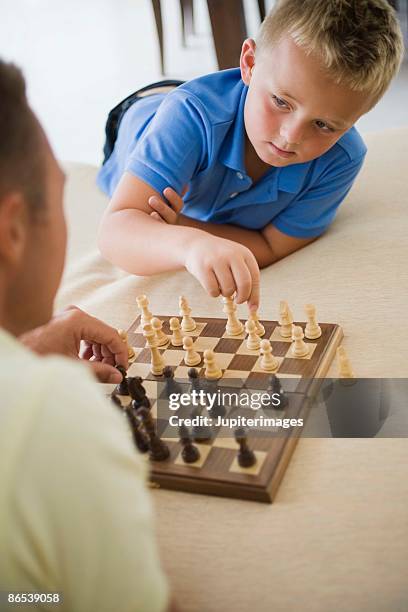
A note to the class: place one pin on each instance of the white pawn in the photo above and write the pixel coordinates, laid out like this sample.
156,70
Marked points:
345,370
269,362
299,347
253,341
157,361
285,320
124,336
312,329
234,326
191,358
187,322
212,371
176,338
146,315
161,338
260,330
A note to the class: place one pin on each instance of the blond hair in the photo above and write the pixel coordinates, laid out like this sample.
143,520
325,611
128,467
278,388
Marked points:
359,41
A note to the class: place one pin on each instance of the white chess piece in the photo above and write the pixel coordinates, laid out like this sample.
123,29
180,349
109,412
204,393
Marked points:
234,326
285,320
268,362
260,330
187,322
345,369
299,347
212,371
161,338
191,358
312,329
124,336
157,361
146,315
253,342
176,338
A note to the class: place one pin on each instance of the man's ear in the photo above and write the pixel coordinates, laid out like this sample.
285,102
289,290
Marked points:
247,60
14,227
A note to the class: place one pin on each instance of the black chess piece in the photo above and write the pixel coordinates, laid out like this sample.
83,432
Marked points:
194,379
171,385
116,401
218,409
140,437
190,453
276,387
136,389
201,433
122,387
159,451
246,456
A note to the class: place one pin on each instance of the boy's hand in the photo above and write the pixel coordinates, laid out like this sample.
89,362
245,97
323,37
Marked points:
224,267
76,334
167,213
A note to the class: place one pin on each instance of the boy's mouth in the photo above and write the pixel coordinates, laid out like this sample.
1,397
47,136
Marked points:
281,152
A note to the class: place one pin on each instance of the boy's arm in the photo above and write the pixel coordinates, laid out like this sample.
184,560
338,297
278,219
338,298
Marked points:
268,245
132,239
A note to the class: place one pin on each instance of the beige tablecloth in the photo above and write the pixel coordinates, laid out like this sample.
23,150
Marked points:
336,537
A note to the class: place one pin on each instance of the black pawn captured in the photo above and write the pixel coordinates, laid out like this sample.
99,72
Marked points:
246,456
276,387
159,451
190,453
122,387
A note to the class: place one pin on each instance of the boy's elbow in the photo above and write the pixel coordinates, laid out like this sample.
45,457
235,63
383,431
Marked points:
104,238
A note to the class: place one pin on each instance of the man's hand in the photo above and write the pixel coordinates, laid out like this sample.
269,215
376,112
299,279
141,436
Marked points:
76,334
167,213
224,267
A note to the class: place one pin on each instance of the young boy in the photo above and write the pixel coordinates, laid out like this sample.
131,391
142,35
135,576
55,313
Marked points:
75,515
262,155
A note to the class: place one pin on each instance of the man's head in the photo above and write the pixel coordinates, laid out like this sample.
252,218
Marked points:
32,225
316,67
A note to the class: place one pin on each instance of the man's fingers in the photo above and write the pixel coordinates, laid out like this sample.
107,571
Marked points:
101,334
105,373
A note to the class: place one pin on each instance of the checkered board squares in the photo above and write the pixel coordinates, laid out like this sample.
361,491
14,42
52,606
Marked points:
218,472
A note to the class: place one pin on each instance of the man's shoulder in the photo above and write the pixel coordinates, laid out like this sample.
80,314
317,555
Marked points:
57,397
218,94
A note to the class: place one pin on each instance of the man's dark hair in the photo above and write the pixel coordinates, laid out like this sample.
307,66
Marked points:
22,151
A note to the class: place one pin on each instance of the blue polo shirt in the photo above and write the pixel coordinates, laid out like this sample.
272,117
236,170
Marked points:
195,136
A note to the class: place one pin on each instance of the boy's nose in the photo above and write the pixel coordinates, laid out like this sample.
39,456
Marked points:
292,132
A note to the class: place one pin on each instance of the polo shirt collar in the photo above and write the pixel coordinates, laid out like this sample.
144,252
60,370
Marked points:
289,178
232,150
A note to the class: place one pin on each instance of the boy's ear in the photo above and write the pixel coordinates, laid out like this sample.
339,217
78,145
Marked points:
247,60
14,227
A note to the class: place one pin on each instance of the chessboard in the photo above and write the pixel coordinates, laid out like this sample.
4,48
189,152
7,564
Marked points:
217,471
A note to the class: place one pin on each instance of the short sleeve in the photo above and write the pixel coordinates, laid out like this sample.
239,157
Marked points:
82,514
314,209
174,146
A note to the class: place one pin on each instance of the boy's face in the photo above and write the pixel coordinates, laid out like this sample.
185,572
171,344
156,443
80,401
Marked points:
294,112
35,277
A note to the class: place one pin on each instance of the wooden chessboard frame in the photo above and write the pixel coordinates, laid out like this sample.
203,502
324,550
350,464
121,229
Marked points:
303,377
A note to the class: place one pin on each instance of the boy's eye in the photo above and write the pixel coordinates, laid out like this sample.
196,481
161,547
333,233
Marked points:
323,126
279,102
